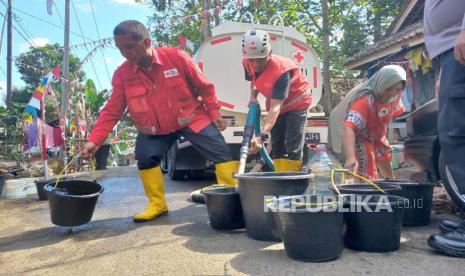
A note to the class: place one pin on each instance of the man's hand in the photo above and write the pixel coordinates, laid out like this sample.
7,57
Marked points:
88,151
459,49
252,100
220,123
253,94
256,144
351,164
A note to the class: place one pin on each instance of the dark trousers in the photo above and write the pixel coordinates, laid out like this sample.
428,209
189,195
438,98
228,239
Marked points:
209,142
451,117
287,135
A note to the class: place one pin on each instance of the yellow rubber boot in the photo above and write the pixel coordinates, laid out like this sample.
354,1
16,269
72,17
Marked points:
224,177
152,180
287,165
293,165
225,171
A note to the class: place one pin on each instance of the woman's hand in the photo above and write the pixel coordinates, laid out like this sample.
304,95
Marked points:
351,164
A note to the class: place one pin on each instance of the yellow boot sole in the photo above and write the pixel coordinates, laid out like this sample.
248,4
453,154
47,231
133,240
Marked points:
139,220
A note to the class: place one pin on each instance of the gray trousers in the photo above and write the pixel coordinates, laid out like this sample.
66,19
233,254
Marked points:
287,135
451,117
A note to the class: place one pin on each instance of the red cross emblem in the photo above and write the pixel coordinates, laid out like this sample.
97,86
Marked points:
252,43
299,57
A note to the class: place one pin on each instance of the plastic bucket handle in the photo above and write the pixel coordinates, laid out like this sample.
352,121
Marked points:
355,175
92,164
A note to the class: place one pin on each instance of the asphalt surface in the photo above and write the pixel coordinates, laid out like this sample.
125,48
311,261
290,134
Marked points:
181,243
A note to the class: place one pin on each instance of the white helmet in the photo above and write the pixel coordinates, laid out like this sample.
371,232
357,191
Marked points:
256,44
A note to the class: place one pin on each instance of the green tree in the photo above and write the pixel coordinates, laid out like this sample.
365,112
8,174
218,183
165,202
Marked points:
350,26
32,66
45,59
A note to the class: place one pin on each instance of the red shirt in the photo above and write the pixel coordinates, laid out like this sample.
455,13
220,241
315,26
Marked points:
160,85
369,118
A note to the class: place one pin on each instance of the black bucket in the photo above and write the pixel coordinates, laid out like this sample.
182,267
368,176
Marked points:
311,226
224,208
365,189
72,203
254,187
40,184
375,231
420,197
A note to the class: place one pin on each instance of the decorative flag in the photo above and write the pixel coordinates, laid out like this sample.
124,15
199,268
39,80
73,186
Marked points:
34,102
27,116
186,43
31,112
38,95
56,72
47,79
49,7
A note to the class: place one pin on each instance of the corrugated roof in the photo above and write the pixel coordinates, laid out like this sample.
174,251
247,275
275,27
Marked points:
413,31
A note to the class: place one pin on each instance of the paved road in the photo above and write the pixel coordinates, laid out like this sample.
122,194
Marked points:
181,243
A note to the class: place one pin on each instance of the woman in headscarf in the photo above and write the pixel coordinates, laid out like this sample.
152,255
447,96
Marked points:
359,123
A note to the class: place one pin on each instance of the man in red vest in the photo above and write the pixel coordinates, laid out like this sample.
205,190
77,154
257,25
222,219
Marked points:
167,97
288,96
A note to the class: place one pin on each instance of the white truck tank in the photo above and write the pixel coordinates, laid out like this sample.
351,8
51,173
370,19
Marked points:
220,58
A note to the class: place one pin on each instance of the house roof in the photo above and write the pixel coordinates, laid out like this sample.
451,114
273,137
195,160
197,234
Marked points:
410,12
411,36
405,30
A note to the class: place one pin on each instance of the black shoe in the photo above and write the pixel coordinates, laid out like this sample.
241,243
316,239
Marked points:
197,196
450,243
447,225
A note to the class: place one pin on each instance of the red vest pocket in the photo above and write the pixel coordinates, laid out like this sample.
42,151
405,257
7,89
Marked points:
139,107
178,88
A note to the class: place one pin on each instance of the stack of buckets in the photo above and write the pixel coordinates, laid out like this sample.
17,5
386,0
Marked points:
274,206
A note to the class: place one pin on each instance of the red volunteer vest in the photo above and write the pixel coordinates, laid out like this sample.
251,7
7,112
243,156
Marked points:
299,92
168,105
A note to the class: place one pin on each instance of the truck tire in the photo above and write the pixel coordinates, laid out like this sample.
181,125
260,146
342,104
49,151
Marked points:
164,163
173,173
449,183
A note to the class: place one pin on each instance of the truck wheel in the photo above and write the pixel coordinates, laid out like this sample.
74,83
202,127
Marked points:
164,163
173,173
449,184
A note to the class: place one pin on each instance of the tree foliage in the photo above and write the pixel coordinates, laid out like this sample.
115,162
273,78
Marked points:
353,24
40,61
45,59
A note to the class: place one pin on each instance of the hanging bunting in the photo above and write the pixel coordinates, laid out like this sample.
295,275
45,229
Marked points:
61,49
34,102
56,72
186,43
